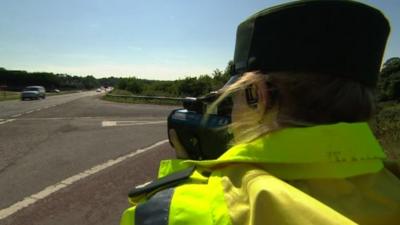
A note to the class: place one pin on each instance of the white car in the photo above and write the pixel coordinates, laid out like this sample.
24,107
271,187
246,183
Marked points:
33,92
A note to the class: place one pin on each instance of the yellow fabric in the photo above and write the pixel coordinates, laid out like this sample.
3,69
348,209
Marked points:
200,201
128,217
168,167
254,197
199,204
329,174
341,142
338,150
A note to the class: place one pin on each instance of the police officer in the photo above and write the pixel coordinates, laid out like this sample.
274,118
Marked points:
303,152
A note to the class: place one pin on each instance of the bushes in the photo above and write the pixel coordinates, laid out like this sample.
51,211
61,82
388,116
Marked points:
386,126
389,80
386,123
16,80
189,86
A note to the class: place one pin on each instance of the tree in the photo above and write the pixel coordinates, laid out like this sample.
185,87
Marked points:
229,70
122,83
134,85
391,65
389,80
89,82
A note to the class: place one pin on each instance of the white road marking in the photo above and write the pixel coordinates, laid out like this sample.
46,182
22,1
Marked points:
31,111
62,118
130,123
4,213
6,121
53,118
108,123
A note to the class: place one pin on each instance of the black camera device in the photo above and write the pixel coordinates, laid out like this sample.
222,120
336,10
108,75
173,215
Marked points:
203,136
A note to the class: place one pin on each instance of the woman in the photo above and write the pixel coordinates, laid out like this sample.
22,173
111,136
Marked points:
303,152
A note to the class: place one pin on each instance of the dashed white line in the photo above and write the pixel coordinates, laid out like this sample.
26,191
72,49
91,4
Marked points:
129,123
108,123
31,111
4,213
6,121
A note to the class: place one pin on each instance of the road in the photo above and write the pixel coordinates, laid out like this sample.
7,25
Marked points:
16,108
73,158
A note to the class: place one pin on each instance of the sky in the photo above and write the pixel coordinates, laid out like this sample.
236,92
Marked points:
150,39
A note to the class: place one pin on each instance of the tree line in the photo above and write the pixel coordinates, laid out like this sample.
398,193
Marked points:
388,88
389,80
189,86
16,80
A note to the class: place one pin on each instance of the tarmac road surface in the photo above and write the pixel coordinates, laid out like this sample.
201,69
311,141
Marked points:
16,108
74,160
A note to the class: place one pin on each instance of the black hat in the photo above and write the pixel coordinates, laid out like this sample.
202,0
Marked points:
337,37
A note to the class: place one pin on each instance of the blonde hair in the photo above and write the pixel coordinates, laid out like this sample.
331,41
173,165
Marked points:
301,99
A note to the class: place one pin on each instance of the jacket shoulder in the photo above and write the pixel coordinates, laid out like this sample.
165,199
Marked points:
270,200
162,183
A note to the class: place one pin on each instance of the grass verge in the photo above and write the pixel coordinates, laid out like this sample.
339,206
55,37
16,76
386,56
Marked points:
129,99
9,95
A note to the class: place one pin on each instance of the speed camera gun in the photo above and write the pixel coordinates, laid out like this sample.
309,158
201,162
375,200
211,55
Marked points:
203,136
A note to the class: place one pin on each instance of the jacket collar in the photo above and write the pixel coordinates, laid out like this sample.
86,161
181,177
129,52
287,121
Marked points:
337,150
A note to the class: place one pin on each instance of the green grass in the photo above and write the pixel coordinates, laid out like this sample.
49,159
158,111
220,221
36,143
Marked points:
120,92
9,95
136,100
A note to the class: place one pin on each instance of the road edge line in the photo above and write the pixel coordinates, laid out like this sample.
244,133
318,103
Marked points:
6,121
6,212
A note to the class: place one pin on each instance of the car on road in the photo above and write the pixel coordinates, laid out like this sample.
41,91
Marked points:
33,92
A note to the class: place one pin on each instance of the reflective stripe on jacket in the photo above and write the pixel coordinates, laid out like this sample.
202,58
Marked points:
329,174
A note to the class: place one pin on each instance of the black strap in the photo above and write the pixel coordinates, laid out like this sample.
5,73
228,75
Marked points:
156,210
167,181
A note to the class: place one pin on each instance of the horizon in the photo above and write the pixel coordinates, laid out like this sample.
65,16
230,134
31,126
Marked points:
153,40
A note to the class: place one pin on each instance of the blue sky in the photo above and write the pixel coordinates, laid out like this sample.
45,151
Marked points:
152,39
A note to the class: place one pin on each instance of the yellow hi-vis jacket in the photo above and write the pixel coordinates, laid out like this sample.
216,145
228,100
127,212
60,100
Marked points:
328,174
